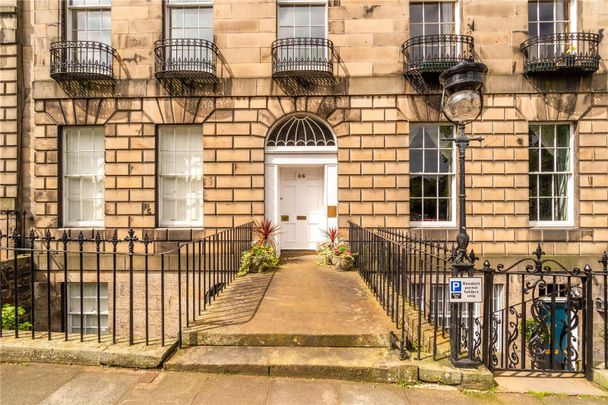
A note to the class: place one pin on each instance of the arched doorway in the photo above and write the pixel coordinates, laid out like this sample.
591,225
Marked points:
301,173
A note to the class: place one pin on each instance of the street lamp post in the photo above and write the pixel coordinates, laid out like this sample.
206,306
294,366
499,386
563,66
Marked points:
461,103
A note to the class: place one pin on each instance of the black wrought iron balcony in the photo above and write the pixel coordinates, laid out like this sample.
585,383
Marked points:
563,52
303,58
185,58
81,60
432,54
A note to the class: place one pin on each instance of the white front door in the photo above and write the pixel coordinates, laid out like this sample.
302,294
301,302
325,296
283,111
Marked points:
302,213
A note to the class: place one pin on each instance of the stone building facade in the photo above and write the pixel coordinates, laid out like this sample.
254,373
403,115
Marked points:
369,106
366,169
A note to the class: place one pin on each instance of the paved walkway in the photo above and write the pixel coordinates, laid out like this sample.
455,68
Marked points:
300,298
67,385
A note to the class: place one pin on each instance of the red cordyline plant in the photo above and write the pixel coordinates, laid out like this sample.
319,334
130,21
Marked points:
332,235
265,232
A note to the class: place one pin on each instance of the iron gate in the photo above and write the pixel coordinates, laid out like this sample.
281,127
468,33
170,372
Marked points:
541,317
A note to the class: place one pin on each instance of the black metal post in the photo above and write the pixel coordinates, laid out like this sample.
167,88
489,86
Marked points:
131,238
462,261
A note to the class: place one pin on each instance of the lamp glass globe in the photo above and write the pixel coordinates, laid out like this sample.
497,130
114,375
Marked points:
463,106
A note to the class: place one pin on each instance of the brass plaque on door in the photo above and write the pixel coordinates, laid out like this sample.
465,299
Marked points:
301,217
332,211
284,218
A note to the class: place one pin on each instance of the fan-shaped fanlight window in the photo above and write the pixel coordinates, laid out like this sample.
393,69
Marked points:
301,130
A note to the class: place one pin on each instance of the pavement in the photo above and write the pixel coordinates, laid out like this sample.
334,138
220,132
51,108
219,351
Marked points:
62,384
301,298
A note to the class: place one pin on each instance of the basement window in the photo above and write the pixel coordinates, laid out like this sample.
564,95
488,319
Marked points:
89,307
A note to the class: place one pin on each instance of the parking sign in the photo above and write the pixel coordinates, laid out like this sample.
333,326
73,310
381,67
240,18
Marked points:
466,289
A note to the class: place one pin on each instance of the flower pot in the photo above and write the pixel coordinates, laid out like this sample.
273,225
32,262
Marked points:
342,263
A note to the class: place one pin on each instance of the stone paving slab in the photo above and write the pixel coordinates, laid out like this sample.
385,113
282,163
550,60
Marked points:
556,385
300,298
70,385
358,364
89,352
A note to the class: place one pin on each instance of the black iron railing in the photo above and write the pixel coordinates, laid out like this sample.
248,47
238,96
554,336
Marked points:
302,57
185,58
403,269
535,314
152,286
564,52
81,60
436,53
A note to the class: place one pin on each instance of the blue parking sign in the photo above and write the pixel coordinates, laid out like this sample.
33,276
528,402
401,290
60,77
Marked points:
455,286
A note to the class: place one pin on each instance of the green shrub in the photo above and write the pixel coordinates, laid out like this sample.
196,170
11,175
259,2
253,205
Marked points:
8,318
258,259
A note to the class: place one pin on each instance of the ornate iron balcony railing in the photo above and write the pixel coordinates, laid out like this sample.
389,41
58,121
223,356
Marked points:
81,60
436,53
303,57
563,52
185,58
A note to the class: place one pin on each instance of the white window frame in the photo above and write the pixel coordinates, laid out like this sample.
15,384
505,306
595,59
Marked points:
65,181
498,304
172,4
569,222
571,25
451,223
163,222
73,292
304,3
70,8
456,13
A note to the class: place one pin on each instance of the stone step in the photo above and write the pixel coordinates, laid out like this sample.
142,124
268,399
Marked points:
202,338
354,364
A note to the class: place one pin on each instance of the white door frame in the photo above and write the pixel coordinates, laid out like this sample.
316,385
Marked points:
275,158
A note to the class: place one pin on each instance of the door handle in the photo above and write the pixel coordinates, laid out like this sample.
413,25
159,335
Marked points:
301,217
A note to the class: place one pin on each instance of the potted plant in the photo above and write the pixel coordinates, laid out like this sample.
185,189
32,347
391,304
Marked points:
262,256
570,58
325,250
343,258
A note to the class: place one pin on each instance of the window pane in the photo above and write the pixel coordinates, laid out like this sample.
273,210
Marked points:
416,137
544,185
533,160
416,186
547,160
532,15
563,136
561,185
302,16
431,161
444,186
561,209
563,160
416,161
430,186
444,209
431,12
533,185
317,15
415,210
545,9
533,209
447,12
430,210
445,162
546,209
286,16
415,13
